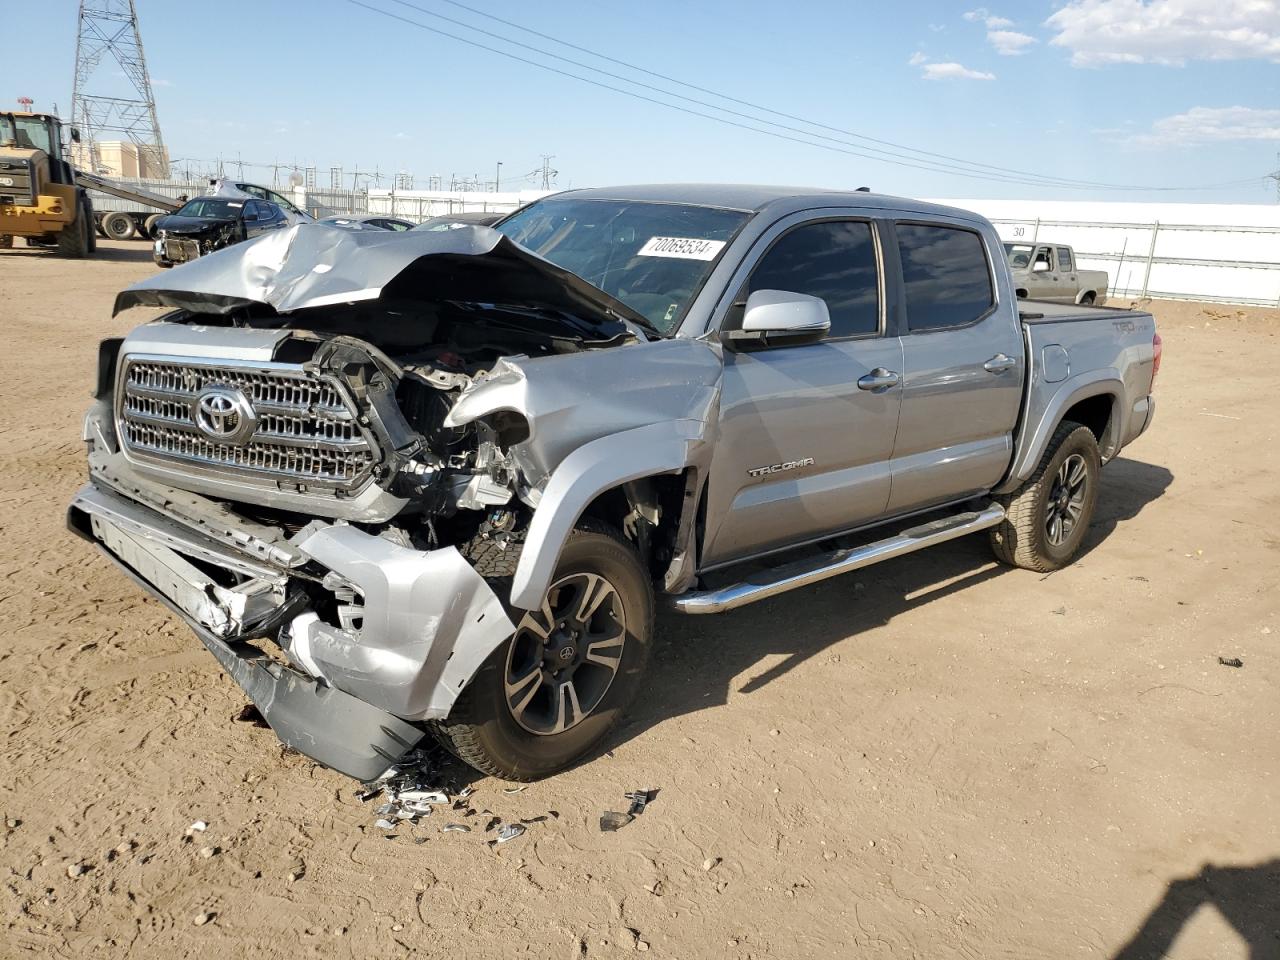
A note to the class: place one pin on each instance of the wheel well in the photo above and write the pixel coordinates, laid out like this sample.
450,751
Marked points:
1020,294
647,512
1095,413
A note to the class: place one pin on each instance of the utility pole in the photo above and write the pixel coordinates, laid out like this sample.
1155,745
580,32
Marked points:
497,178
108,29
1276,177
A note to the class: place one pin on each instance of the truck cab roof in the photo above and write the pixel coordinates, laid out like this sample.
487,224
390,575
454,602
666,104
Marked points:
757,198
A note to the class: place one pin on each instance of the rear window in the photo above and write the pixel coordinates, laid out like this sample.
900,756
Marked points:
945,274
1064,260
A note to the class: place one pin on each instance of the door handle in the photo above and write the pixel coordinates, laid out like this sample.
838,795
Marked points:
999,364
879,379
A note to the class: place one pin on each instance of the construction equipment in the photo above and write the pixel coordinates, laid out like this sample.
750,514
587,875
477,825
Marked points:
42,197
39,197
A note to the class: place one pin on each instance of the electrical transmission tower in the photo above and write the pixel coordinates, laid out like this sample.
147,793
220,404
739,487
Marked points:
1276,177
108,30
548,175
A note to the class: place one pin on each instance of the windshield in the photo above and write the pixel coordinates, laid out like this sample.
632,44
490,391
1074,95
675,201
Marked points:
208,208
1018,254
28,133
654,257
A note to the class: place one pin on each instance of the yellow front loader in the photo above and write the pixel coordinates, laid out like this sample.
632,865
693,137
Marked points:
39,197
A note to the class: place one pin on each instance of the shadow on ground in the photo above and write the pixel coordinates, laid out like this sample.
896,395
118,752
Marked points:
696,658
1247,897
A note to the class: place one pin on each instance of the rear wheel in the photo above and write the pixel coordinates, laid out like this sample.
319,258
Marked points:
1088,300
6,242
149,225
554,689
1046,519
119,226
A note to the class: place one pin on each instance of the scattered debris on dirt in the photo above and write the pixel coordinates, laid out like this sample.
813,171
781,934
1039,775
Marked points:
250,714
455,828
509,832
612,820
1231,662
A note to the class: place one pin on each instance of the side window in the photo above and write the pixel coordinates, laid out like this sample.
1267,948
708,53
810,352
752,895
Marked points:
250,210
252,190
1042,259
835,261
1064,260
946,277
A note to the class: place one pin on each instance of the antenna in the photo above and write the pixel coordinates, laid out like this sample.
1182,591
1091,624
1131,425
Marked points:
108,29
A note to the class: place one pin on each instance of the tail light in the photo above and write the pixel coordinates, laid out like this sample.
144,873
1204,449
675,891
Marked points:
1157,348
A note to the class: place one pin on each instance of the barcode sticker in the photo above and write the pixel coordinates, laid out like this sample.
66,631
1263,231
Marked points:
681,248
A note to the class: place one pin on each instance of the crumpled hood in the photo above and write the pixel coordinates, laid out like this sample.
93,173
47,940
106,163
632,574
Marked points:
311,265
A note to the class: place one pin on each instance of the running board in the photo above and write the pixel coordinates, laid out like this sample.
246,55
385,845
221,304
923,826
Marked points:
801,573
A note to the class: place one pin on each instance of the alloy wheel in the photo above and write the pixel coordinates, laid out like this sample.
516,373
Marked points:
564,655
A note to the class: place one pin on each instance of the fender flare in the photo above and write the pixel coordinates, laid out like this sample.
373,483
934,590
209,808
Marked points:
657,448
1033,439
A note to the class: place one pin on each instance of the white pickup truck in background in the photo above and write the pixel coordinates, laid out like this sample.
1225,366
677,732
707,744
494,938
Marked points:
1048,272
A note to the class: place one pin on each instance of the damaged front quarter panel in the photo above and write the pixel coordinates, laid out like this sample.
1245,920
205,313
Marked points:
596,420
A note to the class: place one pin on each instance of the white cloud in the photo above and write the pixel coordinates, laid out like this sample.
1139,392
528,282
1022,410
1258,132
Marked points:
983,15
1168,32
918,58
1214,125
402,136
1010,43
954,71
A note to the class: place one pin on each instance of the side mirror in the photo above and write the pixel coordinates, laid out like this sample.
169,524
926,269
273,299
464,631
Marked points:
780,318
1040,267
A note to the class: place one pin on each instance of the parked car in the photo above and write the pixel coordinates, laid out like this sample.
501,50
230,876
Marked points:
373,222
1048,272
240,189
443,481
451,221
206,224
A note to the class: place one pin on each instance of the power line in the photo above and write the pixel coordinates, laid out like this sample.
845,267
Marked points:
915,158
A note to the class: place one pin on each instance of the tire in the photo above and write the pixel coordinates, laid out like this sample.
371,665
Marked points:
1026,538
119,226
73,239
1088,300
6,242
149,225
485,731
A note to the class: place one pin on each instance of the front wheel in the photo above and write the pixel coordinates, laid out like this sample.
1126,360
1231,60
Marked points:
552,691
1046,518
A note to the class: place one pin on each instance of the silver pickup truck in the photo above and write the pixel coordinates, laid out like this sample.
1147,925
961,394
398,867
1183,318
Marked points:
439,478
1048,271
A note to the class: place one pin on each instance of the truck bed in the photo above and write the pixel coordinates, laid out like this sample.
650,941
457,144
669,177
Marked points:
1046,311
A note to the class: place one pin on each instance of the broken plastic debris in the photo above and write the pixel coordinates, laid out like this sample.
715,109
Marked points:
198,827
639,800
384,823
422,796
511,831
1231,662
455,828
612,820
519,789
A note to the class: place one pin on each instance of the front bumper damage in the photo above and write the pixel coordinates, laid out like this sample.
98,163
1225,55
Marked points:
411,629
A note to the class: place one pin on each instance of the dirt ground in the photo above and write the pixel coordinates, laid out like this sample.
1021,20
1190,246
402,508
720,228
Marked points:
937,757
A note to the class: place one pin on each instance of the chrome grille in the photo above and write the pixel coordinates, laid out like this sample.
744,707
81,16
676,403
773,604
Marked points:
306,433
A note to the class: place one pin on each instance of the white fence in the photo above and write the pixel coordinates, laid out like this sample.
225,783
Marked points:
424,204
1228,253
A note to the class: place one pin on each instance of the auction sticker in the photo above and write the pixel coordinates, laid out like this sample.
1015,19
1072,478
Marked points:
681,248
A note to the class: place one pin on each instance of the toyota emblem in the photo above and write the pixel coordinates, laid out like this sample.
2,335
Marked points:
224,413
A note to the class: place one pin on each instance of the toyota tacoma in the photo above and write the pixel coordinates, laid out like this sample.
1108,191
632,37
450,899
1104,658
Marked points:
431,483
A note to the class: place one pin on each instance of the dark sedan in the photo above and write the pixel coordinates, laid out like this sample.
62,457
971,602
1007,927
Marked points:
206,224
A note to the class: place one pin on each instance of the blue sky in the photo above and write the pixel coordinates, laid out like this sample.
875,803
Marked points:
1149,92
